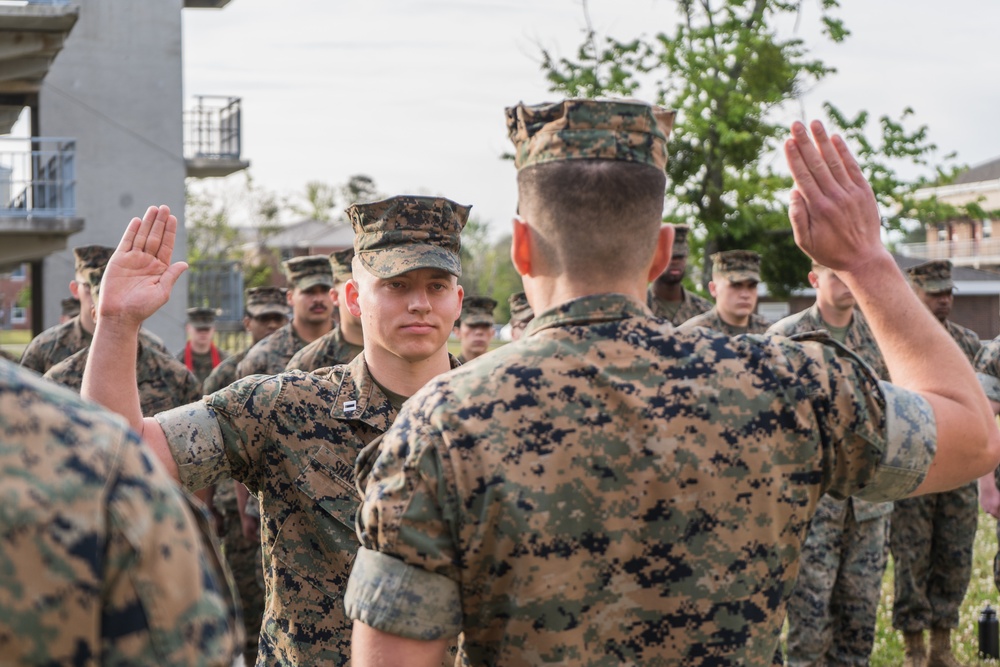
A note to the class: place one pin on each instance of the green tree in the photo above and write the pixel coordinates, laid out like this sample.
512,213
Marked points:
487,269
726,70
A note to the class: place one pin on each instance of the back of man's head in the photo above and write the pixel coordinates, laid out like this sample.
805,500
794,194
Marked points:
591,182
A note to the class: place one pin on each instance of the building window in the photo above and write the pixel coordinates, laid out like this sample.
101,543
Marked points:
18,315
20,273
987,229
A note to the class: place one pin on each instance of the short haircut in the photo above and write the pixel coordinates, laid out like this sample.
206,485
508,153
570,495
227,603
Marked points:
592,217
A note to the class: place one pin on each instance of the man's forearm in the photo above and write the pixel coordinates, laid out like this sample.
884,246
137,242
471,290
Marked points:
921,356
110,377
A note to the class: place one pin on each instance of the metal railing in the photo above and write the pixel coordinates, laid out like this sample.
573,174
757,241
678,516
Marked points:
969,248
212,128
219,285
37,177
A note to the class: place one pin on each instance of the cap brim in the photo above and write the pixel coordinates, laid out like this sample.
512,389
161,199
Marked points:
476,320
268,309
311,281
741,276
390,262
934,286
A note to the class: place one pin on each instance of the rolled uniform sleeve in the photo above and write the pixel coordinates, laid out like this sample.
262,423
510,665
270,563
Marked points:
883,436
404,580
910,444
221,435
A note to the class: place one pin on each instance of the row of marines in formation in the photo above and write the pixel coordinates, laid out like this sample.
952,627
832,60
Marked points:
609,489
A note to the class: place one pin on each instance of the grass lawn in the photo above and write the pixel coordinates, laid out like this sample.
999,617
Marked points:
965,639
14,341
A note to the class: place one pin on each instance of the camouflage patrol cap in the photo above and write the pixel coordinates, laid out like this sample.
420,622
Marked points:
94,276
201,318
520,309
625,130
267,301
340,263
407,232
70,307
987,365
680,241
933,276
477,310
91,257
308,271
736,265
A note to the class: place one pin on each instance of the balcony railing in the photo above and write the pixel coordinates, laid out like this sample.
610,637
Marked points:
37,177
964,253
212,128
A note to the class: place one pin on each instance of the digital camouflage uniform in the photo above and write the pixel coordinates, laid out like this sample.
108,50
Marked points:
62,341
832,611
164,383
712,320
932,536
244,554
272,354
616,513
520,309
608,490
988,371
691,305
330,349
70,307
104,562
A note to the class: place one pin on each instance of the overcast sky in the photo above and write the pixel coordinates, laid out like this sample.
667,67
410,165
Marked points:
411,92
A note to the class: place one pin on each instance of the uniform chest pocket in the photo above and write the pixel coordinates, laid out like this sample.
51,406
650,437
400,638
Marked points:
329,481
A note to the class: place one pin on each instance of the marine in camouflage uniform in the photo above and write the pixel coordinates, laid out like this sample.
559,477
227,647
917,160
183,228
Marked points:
475,328
932,536
987,365
344,341
64,340
164,383
265,310
735,274
310,279
293,438
833,610
104,561
200,328
608,490
667,296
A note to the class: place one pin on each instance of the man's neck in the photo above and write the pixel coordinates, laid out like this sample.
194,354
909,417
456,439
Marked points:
670,292
87,324
733,321
351,332
834,316
309,331
401,376
545,292
201,349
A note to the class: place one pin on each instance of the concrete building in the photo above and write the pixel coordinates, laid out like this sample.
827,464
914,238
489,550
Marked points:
114,95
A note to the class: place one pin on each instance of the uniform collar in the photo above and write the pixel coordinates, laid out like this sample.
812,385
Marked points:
587,310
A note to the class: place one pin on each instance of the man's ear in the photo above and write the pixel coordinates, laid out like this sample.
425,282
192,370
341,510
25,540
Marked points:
520,247
288,296
664,250
712,289
335,297
74,289
813,279
351,296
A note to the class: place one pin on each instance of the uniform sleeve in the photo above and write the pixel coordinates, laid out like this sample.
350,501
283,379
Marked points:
405,579
878,439
224,434
169,599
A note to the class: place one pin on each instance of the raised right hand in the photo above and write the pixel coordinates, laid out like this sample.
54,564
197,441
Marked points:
139,276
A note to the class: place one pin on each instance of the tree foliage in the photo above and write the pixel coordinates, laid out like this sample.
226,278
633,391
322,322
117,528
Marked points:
726,70
487,269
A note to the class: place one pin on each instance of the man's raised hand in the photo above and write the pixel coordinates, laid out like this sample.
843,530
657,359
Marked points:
139,275
833,210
